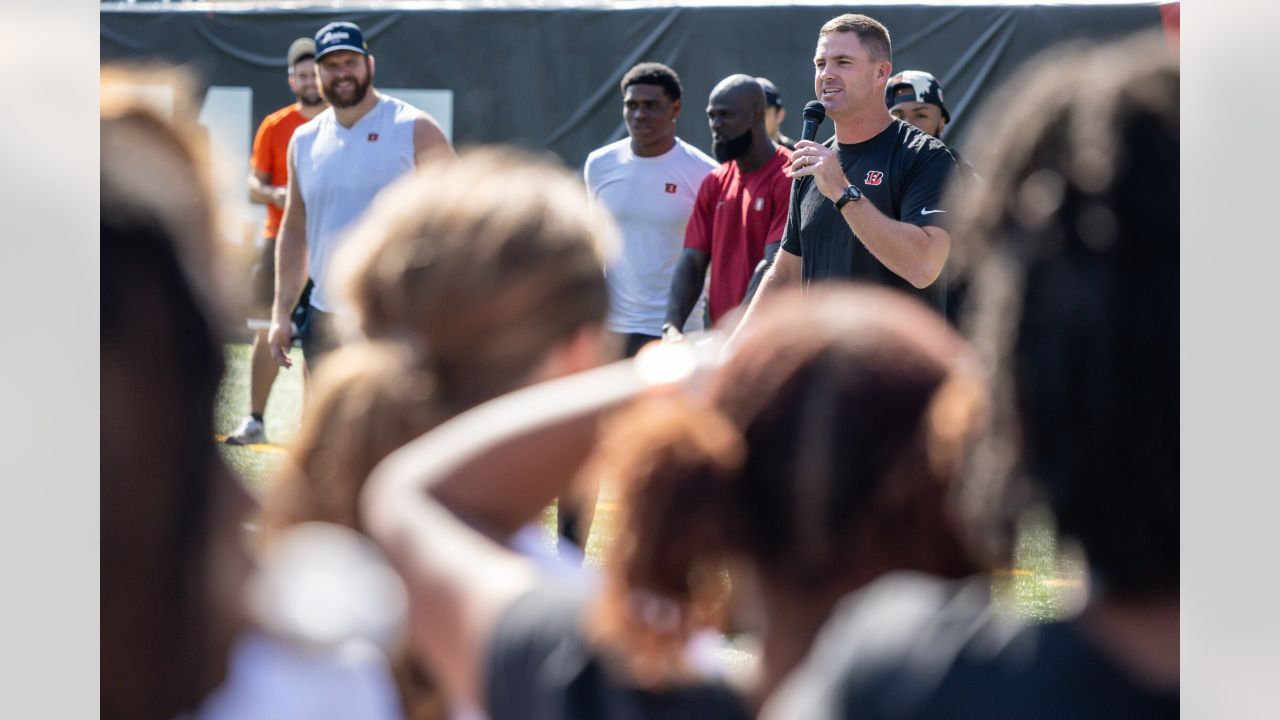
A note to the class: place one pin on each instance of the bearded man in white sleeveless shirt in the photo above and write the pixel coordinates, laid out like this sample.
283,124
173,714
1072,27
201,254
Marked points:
338,162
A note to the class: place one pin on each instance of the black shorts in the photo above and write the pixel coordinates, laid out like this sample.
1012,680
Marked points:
319,337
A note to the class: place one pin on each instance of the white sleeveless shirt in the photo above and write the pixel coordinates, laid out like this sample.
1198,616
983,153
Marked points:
339,170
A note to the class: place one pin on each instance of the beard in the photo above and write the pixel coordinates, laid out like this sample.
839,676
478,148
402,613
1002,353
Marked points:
310,98
733,148
360,90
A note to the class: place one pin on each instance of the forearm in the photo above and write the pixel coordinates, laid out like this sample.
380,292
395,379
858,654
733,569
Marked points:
291,270
914,253
453,609
499,464
778,276
263,193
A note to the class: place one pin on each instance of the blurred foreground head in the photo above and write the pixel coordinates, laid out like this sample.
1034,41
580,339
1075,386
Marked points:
370,398
826,457
493,262
1071,248
172,568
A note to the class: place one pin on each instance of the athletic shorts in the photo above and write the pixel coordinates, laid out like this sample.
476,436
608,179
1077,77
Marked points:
319,337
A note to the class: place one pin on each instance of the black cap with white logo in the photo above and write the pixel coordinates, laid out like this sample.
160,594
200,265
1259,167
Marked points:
340,36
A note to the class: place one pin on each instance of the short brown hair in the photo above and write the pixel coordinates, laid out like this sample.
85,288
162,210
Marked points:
871,33
490,260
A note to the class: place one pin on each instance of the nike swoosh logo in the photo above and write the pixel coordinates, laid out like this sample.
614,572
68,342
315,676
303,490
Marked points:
926,211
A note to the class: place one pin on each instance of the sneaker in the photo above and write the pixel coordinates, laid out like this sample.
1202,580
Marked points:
250,432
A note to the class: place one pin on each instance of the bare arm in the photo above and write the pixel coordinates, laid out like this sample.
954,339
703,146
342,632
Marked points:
686,285
261,190
429,138
291,267
496,466
784,272
916,254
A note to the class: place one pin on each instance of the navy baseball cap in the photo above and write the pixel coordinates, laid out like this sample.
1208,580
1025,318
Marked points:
915,86
771,96
340,36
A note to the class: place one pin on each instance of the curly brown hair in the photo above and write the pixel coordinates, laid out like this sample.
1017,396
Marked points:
825,454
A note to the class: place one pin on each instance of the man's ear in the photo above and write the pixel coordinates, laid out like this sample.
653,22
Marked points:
885,71
675,108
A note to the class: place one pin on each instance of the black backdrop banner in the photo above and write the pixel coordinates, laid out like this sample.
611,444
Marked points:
547,77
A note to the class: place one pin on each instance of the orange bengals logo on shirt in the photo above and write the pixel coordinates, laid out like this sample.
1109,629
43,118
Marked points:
671,188
874,177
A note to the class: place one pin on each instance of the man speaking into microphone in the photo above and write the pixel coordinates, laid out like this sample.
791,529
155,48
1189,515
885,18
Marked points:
868,203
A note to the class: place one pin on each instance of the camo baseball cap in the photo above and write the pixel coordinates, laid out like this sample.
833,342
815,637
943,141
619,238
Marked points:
302,47
915,86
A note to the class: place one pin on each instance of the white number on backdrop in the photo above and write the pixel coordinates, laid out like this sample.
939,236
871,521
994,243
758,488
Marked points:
227,114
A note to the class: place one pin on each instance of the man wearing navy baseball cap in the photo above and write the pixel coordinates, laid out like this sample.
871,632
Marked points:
338,162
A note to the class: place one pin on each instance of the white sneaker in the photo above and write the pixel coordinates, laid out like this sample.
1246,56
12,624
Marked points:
250,432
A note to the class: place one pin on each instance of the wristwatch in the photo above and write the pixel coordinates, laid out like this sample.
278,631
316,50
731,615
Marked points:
851,193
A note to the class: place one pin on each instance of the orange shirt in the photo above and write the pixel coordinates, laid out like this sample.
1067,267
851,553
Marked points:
271,156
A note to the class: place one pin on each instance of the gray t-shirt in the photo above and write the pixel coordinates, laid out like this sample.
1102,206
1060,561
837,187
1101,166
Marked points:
541,667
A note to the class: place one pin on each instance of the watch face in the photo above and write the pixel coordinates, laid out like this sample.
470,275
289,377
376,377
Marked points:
852,192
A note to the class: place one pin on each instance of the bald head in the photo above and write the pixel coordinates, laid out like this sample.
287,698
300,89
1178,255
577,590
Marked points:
740,90
735,113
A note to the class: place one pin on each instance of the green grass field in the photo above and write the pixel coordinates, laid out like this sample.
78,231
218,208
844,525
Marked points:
1045,582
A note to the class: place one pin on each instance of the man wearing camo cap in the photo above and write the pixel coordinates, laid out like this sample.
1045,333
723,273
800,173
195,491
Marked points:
916,97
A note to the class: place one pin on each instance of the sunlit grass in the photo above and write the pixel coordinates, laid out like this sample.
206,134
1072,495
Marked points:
1046,581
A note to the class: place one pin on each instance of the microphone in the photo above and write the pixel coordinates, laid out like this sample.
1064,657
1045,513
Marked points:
814,113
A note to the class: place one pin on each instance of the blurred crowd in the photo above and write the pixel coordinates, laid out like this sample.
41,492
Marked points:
831,480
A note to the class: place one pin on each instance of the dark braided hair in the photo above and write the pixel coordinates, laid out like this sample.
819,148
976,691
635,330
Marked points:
1071,249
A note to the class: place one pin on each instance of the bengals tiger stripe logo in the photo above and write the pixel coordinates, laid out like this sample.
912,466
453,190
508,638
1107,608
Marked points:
874,177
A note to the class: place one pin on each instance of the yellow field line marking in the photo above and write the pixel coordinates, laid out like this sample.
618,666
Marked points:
256,447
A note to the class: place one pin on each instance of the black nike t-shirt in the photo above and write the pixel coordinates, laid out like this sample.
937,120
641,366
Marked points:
902,172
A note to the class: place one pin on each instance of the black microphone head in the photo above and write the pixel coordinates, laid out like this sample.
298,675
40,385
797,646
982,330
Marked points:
814,110
814,113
